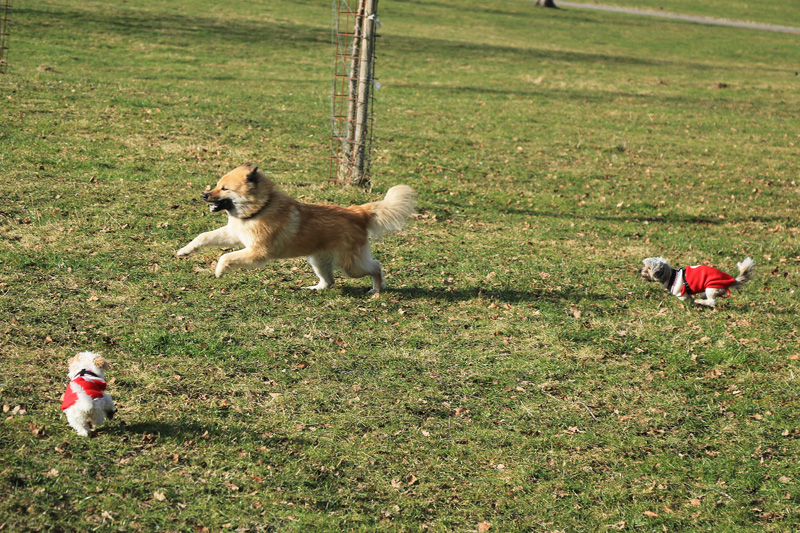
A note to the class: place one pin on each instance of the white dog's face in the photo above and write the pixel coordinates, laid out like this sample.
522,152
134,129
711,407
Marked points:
655,269
87,361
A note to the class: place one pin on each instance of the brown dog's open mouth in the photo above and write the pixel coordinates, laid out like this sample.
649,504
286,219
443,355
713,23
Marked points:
224,204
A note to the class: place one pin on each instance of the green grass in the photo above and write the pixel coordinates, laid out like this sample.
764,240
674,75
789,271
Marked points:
517,372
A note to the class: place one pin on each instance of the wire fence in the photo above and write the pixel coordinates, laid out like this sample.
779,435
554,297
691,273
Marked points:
5,23
352,91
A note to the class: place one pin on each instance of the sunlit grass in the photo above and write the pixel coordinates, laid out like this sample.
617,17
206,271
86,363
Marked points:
516,372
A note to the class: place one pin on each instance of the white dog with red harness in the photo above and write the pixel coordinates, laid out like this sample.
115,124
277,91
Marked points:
85,401
698,279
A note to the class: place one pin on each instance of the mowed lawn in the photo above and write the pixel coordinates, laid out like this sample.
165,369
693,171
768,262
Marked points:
517,375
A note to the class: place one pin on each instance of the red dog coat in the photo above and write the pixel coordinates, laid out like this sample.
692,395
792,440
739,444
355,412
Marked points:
91,385
701,277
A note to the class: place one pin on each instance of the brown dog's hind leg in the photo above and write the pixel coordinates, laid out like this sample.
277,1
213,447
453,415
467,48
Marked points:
363,264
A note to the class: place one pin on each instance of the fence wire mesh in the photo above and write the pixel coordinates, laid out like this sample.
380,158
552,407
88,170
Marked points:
352,91
5,23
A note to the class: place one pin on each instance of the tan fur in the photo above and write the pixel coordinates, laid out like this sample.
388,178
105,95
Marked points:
269,224
100,363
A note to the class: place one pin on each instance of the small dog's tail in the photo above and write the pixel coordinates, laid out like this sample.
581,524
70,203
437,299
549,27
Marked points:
746,270
390,214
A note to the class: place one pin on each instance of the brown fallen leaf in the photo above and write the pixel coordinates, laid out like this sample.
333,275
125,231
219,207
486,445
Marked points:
483,527
651,514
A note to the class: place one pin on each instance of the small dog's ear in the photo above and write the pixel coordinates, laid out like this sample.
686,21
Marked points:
100,363
660,269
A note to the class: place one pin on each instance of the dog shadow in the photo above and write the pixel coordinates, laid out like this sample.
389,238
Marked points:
178,430
173,429
451,294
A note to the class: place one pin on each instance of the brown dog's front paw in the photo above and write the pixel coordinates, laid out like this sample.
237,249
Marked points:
222,268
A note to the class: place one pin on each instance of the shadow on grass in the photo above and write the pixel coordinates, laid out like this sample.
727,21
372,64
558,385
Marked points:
449,294
665,219
170,26
180,430
176,428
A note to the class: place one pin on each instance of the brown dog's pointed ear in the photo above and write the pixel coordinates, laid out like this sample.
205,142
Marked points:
252,176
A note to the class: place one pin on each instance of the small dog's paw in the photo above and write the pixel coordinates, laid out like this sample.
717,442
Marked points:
222,269
183,252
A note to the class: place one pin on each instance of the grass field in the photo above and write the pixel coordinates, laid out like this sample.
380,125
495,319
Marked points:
516,376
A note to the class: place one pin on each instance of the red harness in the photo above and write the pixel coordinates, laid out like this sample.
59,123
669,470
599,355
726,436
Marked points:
91,384
702,277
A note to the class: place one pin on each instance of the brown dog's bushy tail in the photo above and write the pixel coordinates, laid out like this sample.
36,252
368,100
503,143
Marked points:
390,214
746,270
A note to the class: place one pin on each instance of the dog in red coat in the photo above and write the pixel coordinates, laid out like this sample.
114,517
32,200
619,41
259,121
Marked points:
85,401
699,279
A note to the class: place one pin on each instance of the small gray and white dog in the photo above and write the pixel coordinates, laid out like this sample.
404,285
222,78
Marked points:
690,280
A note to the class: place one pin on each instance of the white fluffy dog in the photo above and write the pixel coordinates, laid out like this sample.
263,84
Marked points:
696,279
85,402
